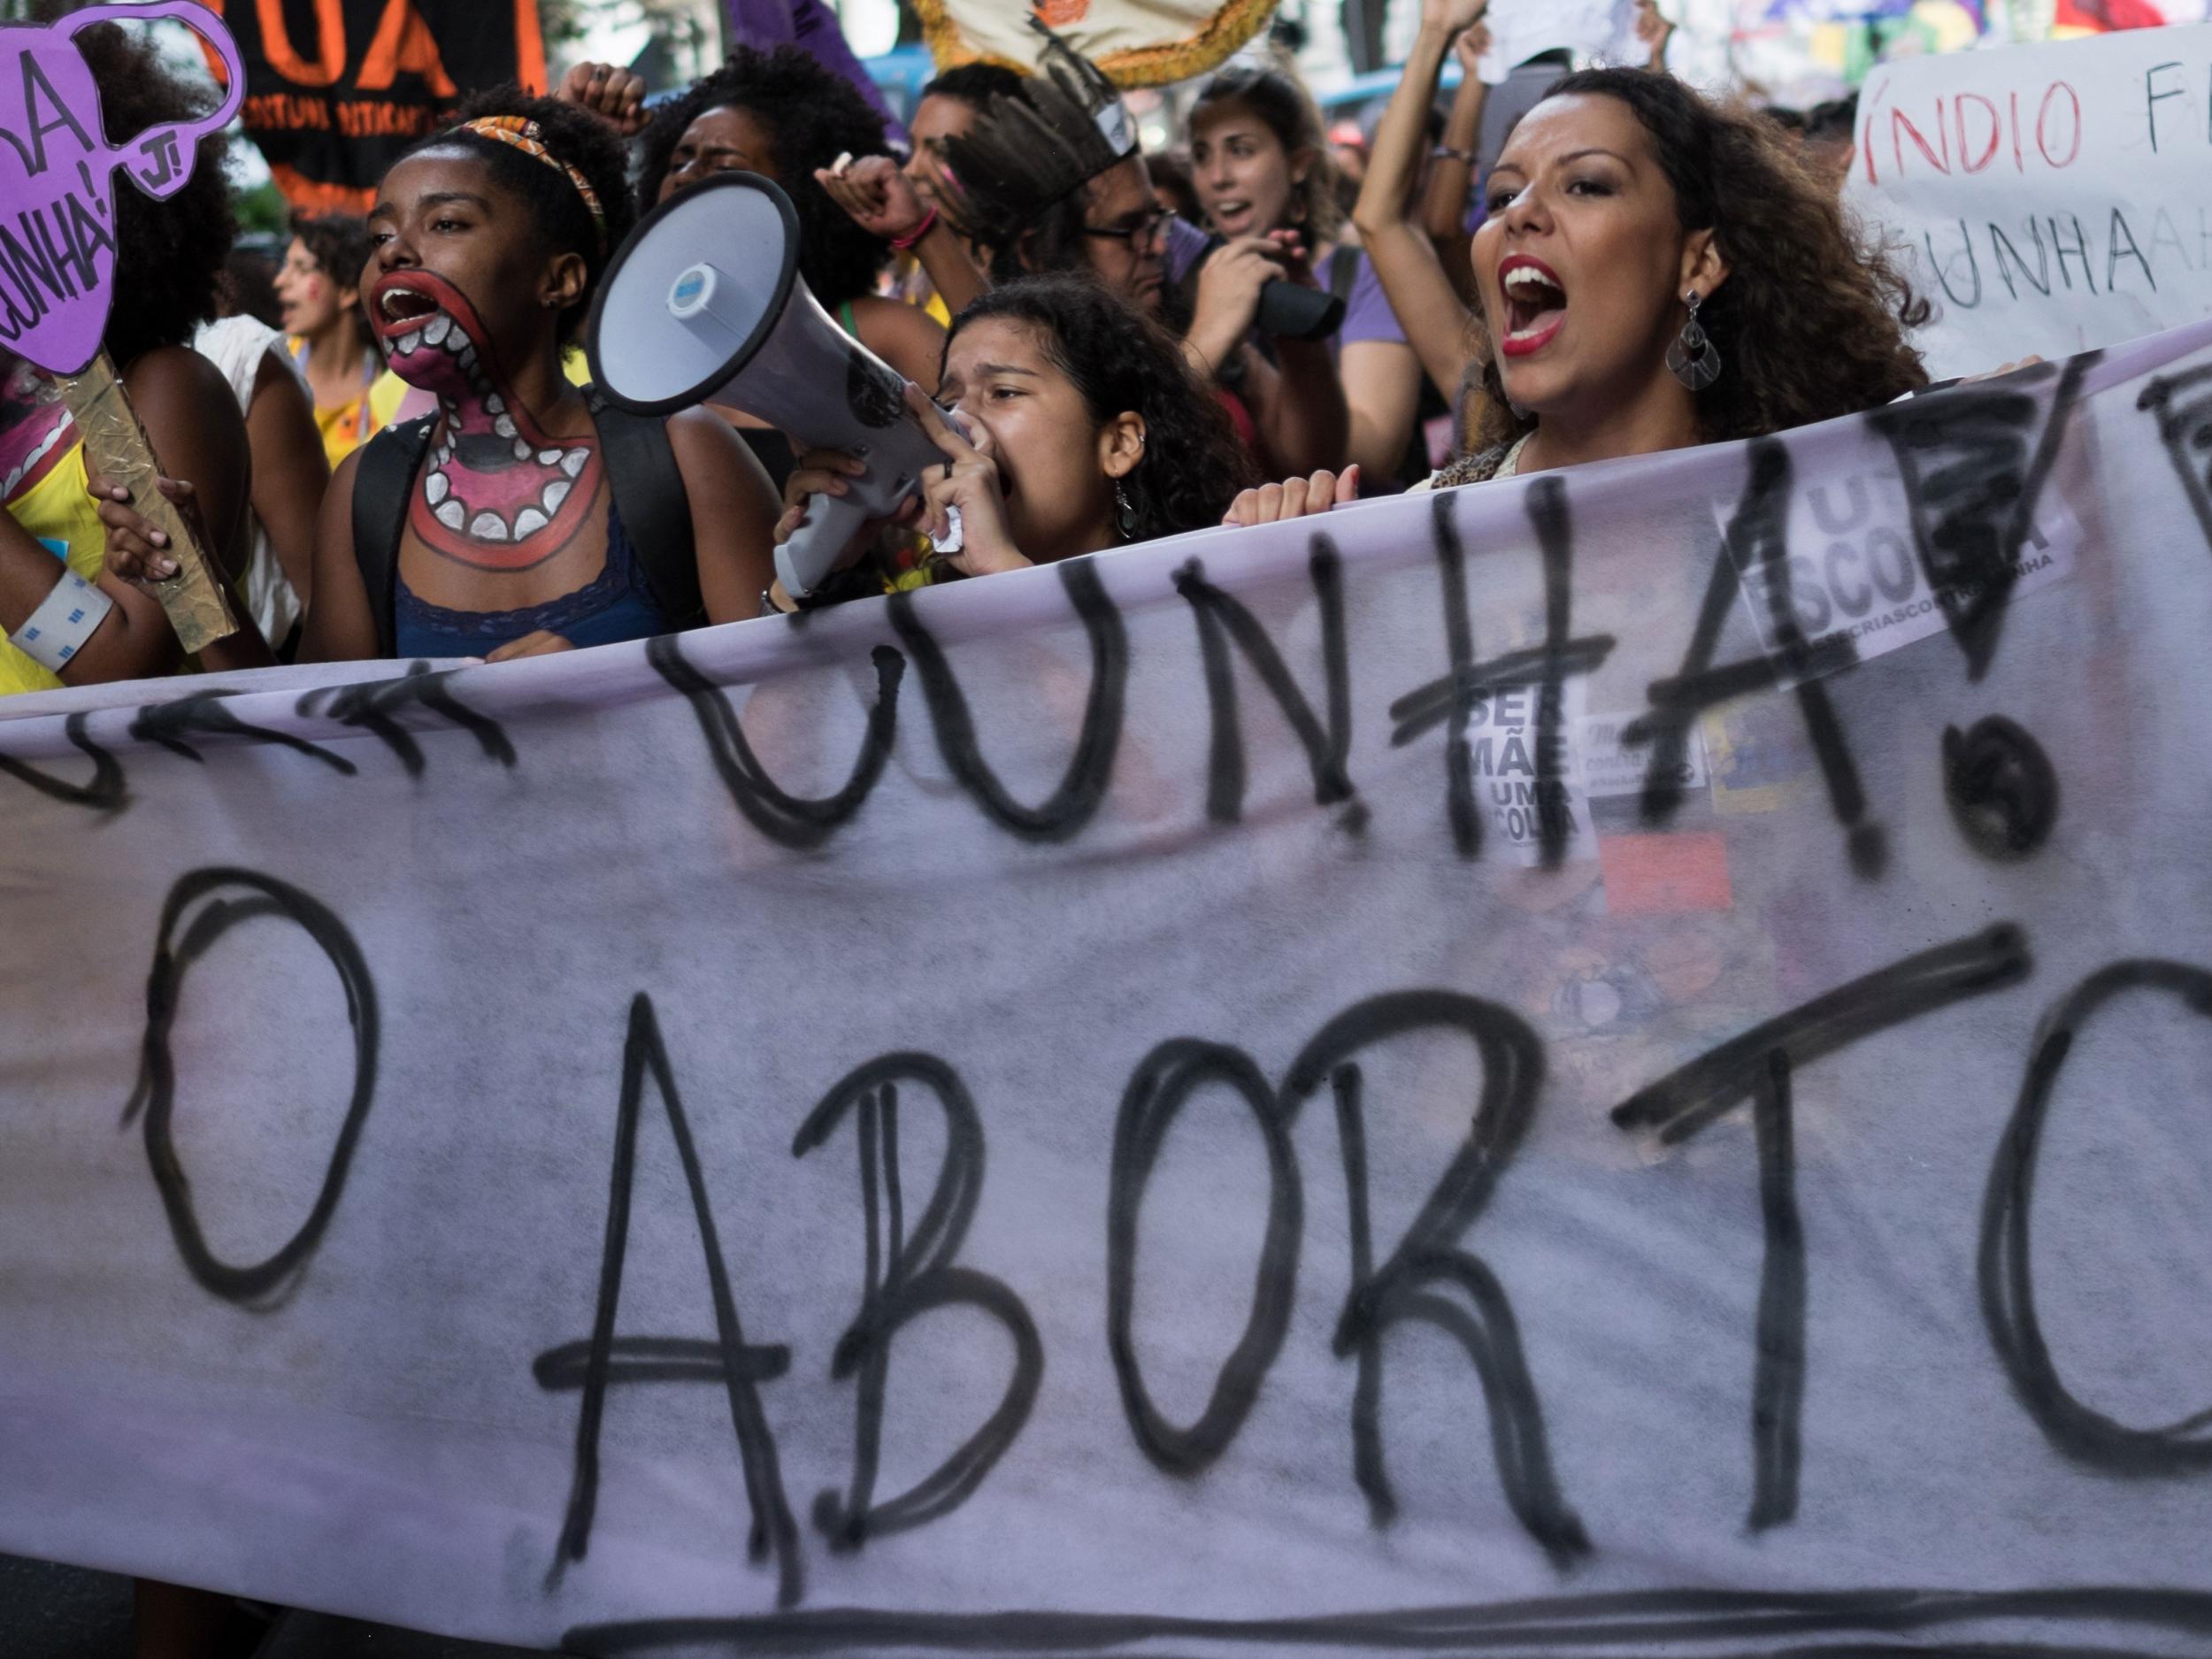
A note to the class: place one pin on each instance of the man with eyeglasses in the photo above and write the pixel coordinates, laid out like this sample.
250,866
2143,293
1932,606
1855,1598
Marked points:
1053,180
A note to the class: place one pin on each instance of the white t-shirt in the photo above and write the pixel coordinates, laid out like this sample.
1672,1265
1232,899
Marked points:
236,346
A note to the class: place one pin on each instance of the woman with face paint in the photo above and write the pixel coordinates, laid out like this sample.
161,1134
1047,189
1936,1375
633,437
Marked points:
318,297
1080,429
1259,166
521,516
1656,271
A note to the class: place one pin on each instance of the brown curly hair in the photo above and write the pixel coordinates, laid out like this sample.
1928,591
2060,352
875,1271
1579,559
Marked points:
1811,323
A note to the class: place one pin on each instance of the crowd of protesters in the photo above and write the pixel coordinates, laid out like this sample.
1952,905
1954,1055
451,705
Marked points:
391,448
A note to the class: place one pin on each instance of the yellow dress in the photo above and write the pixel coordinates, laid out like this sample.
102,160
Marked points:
60,516
347,426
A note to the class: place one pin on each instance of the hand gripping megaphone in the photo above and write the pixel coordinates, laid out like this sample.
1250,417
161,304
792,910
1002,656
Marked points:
704,303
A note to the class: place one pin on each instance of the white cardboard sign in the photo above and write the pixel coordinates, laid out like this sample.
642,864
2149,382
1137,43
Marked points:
2051,198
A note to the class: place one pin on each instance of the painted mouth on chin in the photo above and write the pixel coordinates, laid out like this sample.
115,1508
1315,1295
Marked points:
32,467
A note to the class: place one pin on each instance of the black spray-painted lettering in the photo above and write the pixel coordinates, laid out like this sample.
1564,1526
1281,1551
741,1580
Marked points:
156,1093
103,792
1062,814
1974,467
1221,621
207,714
725,1358
1451,701
1758,536
2182,404
1416,1282
2006,1263
1759,1065
789,820
2000,786
375,706
1162,1083
910,1278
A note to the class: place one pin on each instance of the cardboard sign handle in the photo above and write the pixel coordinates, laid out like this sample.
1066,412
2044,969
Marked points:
116,447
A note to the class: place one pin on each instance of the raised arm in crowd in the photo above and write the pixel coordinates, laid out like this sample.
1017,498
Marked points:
1648,269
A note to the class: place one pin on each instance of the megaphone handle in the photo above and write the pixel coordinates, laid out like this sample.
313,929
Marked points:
831,521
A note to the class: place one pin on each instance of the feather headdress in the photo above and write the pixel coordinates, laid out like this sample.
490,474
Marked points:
1067,126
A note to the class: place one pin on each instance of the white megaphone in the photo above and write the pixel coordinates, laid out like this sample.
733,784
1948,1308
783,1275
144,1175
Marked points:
704,303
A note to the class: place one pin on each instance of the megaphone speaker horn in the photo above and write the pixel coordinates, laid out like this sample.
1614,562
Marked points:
704,303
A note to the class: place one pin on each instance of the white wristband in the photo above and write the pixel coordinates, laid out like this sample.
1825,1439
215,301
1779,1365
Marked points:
64,621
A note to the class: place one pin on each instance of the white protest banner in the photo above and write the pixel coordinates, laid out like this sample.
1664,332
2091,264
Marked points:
1050,1117
2052,198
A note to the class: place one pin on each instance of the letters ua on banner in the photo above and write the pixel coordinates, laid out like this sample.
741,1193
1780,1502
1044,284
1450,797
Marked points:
1057,1117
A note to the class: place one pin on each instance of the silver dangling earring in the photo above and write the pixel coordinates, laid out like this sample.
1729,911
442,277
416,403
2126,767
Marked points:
1125,513
1691,358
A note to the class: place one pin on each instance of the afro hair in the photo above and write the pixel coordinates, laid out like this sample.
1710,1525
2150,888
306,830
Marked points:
813,116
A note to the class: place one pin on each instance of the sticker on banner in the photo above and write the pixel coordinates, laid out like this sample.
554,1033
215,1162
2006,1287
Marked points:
1611,767
1852,571
1506,746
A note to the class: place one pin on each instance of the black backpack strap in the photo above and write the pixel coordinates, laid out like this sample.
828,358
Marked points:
380,481
656,512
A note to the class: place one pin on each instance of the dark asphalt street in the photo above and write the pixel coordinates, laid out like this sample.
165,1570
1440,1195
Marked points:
49,1612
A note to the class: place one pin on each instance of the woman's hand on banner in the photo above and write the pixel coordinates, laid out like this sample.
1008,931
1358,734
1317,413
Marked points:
1296,497
615,95
539,644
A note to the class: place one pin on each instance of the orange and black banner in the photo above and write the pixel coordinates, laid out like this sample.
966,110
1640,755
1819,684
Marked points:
336,90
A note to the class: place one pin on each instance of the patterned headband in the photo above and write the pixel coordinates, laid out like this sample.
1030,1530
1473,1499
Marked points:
523,134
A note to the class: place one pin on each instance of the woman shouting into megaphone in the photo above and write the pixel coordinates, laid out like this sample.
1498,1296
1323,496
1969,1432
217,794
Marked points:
1077,429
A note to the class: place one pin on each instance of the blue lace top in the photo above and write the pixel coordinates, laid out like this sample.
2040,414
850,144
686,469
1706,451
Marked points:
615,605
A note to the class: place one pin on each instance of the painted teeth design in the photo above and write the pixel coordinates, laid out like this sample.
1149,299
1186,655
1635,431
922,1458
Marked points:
435,487
556,492
437,329
522,449
529,521
451,514
488,526
496,404
409,342
546,458
572,463
505,427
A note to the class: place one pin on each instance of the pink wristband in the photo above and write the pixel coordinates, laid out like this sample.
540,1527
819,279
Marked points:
903,243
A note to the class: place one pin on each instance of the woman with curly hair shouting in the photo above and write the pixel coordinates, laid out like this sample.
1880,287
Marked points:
1656,271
